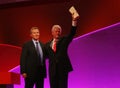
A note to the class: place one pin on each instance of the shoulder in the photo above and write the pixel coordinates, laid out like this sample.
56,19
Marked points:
62,38
49,42
28,43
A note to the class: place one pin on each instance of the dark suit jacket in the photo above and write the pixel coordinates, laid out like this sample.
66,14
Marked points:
30,62
60,58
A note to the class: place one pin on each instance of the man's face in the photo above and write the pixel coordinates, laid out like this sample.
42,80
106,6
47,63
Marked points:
35,34
56,33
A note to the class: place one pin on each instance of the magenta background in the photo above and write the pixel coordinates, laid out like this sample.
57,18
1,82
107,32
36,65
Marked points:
96,59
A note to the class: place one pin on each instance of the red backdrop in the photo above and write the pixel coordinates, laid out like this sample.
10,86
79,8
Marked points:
15,22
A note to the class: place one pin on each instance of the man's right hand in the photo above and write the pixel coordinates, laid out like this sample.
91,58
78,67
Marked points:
24,75
74,13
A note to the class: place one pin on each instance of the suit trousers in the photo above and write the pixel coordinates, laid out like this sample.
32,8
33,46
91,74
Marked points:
29,83
59,80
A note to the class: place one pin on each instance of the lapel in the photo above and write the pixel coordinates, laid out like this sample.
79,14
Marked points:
57,46
50,45
32,46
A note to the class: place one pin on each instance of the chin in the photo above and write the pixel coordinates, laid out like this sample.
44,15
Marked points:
58,37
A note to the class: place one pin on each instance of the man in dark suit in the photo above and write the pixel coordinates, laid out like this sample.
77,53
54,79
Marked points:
32,61
59,62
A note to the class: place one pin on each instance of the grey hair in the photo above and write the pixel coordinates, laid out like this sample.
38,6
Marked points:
33,28
56,26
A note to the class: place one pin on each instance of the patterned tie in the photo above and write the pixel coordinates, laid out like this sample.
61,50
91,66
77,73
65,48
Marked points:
38,51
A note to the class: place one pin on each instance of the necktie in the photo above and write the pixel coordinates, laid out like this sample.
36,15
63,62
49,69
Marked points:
38,51
54,46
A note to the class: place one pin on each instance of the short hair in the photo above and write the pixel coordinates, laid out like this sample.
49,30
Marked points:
33,28
56,26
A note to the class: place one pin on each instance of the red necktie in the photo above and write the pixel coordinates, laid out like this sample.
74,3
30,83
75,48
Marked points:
54,46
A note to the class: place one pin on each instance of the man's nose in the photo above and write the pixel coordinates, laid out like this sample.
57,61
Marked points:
58,32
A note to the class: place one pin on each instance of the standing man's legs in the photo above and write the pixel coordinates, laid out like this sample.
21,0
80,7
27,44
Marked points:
40,83
54,81
29,83
63,80
59,79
